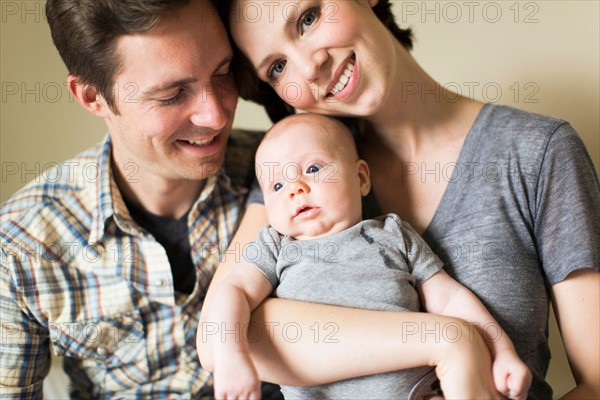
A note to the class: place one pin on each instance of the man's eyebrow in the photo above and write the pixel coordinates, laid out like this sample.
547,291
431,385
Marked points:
162,87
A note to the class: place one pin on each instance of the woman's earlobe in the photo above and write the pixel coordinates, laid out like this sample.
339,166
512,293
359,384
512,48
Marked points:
373,3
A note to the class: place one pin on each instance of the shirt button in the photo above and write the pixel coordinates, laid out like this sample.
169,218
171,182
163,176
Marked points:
101,351
161,282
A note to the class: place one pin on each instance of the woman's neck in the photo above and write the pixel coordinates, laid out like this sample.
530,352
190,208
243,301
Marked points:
419,114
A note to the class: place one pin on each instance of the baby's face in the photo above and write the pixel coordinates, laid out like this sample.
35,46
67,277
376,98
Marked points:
311,178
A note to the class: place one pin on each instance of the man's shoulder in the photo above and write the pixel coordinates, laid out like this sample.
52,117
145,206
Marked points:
239,158
244,138
55,206
56,181
242,145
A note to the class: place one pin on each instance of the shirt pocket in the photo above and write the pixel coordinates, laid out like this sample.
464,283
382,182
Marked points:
112,351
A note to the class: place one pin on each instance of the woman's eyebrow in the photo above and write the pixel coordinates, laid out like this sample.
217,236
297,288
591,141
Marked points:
288,25
264,61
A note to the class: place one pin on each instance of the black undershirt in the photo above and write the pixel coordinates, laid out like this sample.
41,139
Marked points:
173,236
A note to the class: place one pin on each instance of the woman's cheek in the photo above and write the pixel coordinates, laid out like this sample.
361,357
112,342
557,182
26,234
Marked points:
298,95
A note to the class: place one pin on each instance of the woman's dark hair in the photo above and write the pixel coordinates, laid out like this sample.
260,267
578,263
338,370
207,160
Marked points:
85,32
252,88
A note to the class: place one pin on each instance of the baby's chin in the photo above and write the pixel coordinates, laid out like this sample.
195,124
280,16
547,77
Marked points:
321,231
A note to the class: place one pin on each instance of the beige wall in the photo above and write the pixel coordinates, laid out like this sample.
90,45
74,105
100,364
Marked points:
541,56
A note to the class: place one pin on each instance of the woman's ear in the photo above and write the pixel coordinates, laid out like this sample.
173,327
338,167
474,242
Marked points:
373,3
364,177
87,96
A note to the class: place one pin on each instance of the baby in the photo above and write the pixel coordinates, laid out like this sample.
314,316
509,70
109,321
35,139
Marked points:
317,248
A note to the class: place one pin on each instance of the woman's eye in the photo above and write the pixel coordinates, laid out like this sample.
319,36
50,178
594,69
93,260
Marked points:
277,187
313,169
309,18
276,69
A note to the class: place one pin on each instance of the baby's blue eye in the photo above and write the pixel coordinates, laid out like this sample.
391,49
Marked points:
313,169
277,187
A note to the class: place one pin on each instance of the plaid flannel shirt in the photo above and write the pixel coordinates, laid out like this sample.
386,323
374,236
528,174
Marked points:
80,277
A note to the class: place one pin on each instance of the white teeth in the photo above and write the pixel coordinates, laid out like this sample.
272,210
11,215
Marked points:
344,78
200,142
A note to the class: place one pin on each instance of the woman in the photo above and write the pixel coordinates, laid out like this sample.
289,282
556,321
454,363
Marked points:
516,217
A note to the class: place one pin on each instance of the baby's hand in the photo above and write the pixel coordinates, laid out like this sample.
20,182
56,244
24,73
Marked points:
511,376
236,378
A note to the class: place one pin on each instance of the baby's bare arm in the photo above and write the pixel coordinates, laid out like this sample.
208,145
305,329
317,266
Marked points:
441,294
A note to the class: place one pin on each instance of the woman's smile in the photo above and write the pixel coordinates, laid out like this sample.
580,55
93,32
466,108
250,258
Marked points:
342,78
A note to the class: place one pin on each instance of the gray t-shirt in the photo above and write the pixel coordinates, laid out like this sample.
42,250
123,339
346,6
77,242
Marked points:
521,211
376,264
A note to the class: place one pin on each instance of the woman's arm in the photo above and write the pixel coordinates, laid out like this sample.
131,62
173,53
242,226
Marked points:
575,302
304,344
309,344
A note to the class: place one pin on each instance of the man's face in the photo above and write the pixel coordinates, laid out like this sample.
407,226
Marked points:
176,97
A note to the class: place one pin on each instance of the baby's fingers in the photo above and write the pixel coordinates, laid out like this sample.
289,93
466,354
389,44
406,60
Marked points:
518,383
501,376
237,395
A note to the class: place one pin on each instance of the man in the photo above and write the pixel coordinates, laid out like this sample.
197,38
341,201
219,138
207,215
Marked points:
109,268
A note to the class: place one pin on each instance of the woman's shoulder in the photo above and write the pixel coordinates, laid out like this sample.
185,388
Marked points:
504,128
507,119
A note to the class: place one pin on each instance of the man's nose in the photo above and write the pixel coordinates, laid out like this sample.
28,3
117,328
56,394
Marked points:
209,109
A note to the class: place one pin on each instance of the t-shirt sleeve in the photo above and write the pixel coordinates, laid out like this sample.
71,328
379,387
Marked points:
255,195
263,253
567,212
421,260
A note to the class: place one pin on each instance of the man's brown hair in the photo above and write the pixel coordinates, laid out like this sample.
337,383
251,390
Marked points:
85,32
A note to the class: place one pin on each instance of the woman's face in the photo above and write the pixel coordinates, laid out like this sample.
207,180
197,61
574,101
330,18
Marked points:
329,57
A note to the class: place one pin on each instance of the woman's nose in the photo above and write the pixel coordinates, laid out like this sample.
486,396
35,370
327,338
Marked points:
312,64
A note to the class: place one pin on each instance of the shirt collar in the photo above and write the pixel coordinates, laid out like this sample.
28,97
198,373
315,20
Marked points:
111,207
109,202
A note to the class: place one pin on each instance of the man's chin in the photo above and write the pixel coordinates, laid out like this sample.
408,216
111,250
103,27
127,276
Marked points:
204,170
